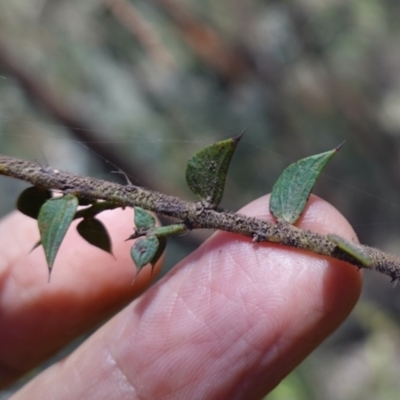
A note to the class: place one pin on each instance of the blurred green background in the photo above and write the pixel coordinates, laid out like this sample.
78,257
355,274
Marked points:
144,84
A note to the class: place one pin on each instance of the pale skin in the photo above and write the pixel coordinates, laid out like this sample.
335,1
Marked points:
229,322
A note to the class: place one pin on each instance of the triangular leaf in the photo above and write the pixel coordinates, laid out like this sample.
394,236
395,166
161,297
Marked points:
206,171
144,250
352,249
143,219
94,232
54,219
291,191
31,200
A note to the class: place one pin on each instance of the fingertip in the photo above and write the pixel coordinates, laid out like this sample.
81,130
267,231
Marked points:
235,314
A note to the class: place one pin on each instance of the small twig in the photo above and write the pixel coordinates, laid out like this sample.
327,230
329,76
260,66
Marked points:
188,213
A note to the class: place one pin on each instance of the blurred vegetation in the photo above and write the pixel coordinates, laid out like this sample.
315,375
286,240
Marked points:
144,84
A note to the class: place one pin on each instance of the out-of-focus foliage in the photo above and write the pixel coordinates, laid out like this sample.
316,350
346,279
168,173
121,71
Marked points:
147,83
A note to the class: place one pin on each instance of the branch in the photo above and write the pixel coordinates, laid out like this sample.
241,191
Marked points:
206,43
192,215
128,16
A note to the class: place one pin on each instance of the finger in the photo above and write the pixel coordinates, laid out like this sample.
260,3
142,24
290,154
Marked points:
228,323
87,285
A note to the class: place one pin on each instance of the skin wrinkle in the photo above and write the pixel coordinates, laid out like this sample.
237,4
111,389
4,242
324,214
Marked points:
241,302
236,265
274,354
211,257
176,306
231,249
189,309
233,268
247,338
249,307
203,291
243,366
208,320
137,385
110,379
77,380
124,385
239,339
213,383
115,365
186,381
165,355
227,305
148,365
169,381
204,266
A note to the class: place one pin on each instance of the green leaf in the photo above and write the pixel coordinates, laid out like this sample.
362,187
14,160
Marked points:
206,171
31,200
143,219
94,232
144,251
54,219
293,188
351,249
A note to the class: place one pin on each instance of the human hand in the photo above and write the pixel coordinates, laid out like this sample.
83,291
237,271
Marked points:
229,322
